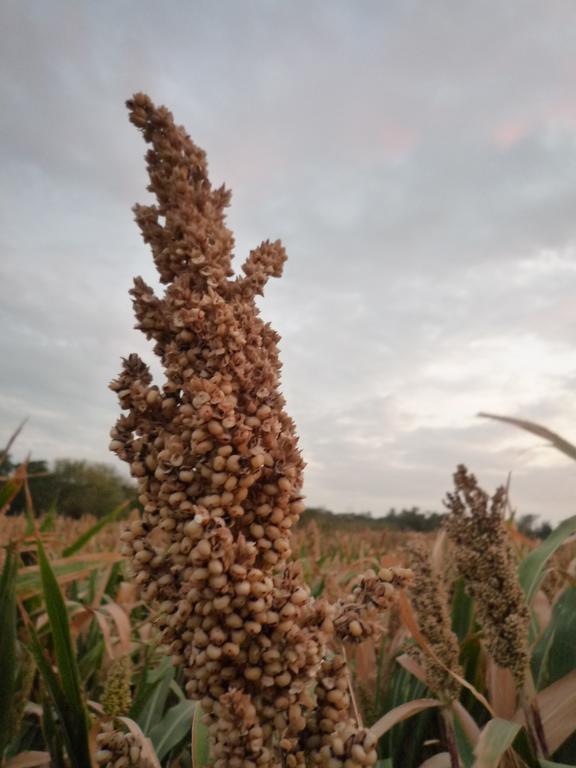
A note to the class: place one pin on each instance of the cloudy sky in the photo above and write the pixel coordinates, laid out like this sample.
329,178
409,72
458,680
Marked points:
418,160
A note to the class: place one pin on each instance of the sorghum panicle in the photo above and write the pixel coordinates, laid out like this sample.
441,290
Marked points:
219,472
430,602
485,560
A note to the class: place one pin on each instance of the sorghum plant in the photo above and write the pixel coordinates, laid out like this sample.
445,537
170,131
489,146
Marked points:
485,560
220,477
430,603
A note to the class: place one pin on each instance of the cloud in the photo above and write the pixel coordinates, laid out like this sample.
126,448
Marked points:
417,161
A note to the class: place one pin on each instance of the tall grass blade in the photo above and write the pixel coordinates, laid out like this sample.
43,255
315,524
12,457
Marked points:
82,540
7,646
71,705
11,488
13,437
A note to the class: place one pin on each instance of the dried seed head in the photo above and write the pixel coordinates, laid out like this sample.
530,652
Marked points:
220,473
484,559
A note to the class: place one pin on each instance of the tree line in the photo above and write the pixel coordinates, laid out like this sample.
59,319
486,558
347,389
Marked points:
76,488
409,519
73,487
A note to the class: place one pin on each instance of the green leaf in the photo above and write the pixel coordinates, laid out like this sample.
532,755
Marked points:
69,699
89,664
82,540
50,519
404,743
555,653
8,491
531,570
465,748
54,688
7,646
52,735
200,740
174,726
496,737
550,764
29,580
153,709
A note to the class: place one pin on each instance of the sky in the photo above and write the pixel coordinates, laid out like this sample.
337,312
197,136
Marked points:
416,157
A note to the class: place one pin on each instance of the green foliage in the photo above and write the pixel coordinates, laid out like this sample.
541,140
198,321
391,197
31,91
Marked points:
66,629
82,540
405,520
531,571
172,728
77,488
200,748
156,694
555,652
7,646
64,686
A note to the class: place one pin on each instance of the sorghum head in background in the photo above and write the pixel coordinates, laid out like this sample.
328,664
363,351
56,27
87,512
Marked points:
484,558
430,602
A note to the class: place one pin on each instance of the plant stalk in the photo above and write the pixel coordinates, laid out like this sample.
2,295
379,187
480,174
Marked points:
450,732
534,725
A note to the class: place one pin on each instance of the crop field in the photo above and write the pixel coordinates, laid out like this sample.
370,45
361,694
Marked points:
85,649
205,622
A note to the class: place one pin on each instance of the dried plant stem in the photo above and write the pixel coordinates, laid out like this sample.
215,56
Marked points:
448,719
534,726
355,709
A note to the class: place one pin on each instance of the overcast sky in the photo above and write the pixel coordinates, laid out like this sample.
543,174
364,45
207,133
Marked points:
417,159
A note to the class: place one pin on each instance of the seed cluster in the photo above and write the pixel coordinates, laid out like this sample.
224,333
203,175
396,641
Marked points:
485,560
220,474
117,749
333,738
430,602
358,615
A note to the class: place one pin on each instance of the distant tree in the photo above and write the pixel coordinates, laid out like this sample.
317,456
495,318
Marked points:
413,519
526,524
76,487
406,520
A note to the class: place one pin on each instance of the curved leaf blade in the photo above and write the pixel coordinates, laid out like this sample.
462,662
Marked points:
496,738
82,540
531,570
536,429
200,740
172,729
403,712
